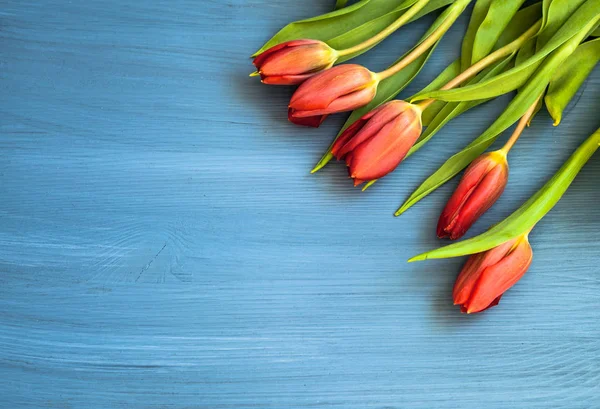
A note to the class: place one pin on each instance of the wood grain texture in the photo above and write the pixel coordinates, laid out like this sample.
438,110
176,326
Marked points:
162,244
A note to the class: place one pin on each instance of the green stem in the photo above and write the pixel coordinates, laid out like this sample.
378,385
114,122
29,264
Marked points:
487,61
520,127
400,21
455,11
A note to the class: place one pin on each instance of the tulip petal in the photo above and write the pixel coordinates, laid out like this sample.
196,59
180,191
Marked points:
377,119
474,267
312,121
298,60
320,91
481,198
347,135
344,103
262,57
498,278
382,153
284,79
470,180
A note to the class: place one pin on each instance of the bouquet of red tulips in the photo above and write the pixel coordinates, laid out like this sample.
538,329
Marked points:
544,51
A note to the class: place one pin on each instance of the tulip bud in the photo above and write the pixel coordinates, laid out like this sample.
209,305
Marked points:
294,61
480,187
341,88
488,275
374,145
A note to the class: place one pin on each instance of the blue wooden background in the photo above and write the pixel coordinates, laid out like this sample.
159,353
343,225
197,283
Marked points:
162,244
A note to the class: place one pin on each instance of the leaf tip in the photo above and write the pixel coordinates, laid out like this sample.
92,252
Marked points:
254,74
317,168
420,257
402,209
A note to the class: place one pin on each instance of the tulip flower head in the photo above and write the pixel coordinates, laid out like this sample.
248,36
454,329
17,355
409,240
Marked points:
339,89
294,61
480,187
487,276
374,145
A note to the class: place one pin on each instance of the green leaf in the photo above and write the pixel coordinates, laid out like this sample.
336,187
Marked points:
557,13
529,214
498,17
596,33
340,4
477,16
515,110
366,31
520,23
585,16
432,110
526,51
330,25
570,76
349,26
388,88
453,109
545,8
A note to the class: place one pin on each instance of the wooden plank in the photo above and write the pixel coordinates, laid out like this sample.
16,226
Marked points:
162,244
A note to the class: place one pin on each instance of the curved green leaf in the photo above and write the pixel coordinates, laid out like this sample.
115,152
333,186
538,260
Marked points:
521,22
432,110
557,13
348,26
477,16
545,7
365,31
570,76
340,4
497,19
515,110
586,17
526,51
531,212
332,24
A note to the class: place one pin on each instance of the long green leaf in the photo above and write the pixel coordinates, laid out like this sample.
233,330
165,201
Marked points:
477,16
332,24
585,16
545,8
570,76
348,26
497,19
516,109
365,31
521,22
529,214
558,12
340,4
446,75
388,88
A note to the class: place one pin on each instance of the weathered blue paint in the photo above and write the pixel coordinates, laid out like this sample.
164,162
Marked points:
162,244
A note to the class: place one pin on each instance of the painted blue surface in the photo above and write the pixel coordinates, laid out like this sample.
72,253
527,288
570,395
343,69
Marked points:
162,244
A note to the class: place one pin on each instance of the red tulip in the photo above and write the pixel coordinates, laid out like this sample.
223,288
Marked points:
294,61
341,88
488,275
374,145
480,187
